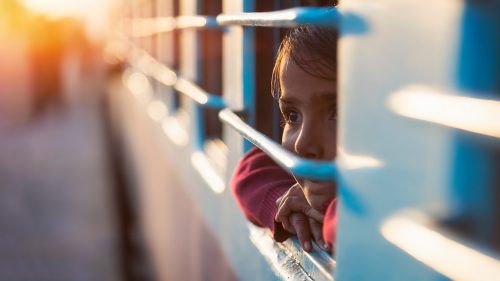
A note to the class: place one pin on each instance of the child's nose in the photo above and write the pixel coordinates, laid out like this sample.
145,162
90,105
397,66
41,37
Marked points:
309,143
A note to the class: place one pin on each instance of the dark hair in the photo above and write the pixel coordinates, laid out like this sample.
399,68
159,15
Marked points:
312,48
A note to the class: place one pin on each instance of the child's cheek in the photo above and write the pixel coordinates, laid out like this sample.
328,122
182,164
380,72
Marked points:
288,139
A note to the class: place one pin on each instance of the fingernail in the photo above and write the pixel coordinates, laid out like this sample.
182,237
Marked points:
307,246
326,246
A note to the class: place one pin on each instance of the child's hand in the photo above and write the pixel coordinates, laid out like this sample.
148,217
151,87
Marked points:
298,217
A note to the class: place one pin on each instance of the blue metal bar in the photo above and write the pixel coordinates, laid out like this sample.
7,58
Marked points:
148,65
284,18
197,94
206,170
302,168
205,22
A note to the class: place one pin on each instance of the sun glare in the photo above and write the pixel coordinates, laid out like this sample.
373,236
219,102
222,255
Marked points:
92,12
58,8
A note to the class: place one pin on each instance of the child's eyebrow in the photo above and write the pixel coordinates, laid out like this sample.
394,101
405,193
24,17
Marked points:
288,100
327,96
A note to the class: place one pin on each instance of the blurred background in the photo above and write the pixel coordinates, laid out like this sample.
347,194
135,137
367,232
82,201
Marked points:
59,218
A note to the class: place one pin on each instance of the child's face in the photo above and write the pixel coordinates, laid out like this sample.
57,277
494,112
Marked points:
309,107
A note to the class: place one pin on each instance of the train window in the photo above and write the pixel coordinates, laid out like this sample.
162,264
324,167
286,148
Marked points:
200,57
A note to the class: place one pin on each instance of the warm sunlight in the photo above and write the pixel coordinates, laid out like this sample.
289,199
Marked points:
57,8
93,12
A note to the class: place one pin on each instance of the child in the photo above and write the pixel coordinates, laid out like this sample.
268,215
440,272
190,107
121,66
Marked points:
304,82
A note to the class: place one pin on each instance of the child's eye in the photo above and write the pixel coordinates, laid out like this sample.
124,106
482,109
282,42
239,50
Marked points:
292,117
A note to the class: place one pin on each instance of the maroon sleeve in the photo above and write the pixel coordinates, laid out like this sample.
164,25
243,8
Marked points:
257,183
330,222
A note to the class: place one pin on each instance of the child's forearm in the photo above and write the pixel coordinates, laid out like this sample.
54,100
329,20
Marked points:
257,183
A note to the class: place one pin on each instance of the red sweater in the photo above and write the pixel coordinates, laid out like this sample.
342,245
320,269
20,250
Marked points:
258,182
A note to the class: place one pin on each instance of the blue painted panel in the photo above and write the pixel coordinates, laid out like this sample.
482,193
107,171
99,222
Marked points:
448,47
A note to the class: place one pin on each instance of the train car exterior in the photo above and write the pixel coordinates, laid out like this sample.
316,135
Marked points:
419,126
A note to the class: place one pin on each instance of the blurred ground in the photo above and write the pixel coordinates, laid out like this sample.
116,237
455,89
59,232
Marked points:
57,214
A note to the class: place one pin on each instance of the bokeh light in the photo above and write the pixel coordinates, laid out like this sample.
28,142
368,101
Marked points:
92,12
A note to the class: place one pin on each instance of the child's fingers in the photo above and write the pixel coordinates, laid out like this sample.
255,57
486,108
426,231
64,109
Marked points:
317,233
284,209
301,225
313,213
296,204
283,219
288,226
291,192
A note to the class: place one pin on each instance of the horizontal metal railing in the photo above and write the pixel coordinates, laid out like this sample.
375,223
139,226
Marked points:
284,18
304,168
288,259
148,65
143,27
299,167
200,96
